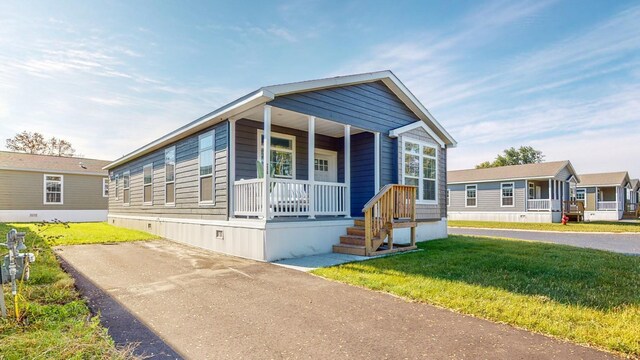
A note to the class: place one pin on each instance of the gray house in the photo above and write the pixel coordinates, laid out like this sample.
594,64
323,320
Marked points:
519,193
356,164
34,188
604,195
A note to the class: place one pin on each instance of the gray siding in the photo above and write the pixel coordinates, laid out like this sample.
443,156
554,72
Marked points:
23,190
186,181
564,174
488,197
247,149
426,211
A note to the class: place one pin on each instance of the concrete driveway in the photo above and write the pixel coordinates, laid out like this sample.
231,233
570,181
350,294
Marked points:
621,242
210,306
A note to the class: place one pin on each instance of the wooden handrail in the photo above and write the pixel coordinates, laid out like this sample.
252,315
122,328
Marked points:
392,202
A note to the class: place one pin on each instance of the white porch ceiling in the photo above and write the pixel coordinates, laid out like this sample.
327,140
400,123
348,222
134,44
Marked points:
299,121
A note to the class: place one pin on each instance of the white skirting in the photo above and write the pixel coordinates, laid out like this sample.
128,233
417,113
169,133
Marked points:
504,216
49,215
259,240
602,215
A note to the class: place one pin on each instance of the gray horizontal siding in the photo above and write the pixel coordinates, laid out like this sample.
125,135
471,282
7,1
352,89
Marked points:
186,181
488,197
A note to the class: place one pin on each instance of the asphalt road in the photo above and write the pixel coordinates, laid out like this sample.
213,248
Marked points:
210,306
622,243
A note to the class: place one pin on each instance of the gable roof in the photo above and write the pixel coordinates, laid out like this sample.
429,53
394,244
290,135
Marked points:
268,93
49,163
620,178
513,172
635,184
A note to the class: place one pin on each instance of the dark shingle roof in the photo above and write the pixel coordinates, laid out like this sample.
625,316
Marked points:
22,161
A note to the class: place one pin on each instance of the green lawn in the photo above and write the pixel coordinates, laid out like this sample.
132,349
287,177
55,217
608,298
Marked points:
586,296
58,323
87,233
596,226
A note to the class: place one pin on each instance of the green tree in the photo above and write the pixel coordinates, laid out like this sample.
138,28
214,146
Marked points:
513,156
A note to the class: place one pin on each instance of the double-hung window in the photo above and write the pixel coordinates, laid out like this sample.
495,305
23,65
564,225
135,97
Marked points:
53,189
126,192
581,195
283,154
471,196
170,176
105,187
117,187
206,168
420,169
507,194
147,184
448,197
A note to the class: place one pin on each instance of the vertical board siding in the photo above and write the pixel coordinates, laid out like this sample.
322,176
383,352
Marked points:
247,149
370,106
186,181
426,211
488,197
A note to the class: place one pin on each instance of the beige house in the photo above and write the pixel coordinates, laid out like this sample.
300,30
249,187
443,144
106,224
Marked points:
41,187
603,195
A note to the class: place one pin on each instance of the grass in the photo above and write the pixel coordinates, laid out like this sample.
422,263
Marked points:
87,233
57,324
586,296
595,226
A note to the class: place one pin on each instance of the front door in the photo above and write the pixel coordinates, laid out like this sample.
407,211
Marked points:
326,165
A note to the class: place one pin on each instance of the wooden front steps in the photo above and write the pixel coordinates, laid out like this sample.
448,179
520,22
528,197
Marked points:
354,242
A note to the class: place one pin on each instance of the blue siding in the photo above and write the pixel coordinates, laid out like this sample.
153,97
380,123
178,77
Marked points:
370,106
362,171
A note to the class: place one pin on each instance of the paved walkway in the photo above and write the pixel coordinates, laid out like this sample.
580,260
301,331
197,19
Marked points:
211,306
622,243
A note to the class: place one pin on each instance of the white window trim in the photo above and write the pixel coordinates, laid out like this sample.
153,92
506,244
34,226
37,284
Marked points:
117,185
128,175
213,170
420,169
513,194
44,190
292,151
150,202
585,196
105,186
173,203
466,195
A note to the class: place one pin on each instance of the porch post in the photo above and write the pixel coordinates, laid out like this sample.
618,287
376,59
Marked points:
266,156
347,169
617,203
311,168
376,159
550,192
526,195
232,167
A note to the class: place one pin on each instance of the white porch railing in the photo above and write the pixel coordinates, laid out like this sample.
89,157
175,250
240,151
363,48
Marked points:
538,204
607,205
247,197
289,197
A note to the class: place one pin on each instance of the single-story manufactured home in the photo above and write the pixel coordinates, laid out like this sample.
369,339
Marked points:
518,193
37,188
354,164
604,195
633,198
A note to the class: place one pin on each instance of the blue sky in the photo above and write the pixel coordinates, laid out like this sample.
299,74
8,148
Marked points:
562,76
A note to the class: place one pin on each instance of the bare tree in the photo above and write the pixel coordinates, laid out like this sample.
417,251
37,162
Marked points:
35,143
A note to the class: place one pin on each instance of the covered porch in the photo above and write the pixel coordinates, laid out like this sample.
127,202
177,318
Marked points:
309,174
545,194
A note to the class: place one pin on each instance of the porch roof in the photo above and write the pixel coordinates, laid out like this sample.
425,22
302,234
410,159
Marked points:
268,93
620,178
547,170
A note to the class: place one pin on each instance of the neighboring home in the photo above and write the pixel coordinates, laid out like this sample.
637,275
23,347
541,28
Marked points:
43,187
604,195
333,144
518,193
633,197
